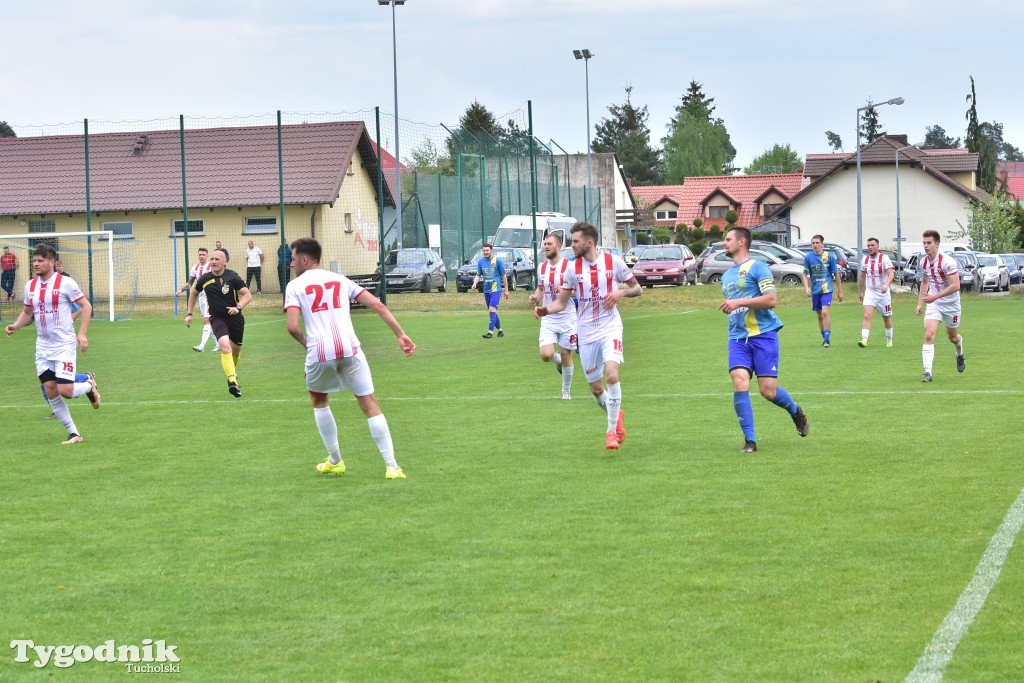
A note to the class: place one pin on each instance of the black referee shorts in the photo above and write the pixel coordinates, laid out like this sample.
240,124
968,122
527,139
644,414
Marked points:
233,326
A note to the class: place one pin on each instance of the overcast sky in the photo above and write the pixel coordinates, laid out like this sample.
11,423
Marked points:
780,72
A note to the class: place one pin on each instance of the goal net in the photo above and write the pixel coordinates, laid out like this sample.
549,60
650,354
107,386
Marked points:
104,267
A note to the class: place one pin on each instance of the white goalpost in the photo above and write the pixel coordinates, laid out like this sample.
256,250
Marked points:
75,249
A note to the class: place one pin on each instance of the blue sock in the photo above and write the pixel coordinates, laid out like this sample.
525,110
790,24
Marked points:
827,334
497,321
784,400
494,320
81,377
741,401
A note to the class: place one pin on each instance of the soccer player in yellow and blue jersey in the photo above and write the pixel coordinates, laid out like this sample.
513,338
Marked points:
820,268
491,270
750,296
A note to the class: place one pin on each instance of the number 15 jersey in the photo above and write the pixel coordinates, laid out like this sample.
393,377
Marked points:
323,298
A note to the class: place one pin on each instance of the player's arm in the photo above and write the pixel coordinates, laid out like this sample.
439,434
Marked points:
83,327
807,278
557,306
538,294
953,286
921,293
188,283
890,273
861,284
292,321
193,297
243,302
612,298
374,304
839,283
766,299
24,318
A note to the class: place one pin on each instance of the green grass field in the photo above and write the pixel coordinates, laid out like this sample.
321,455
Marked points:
518,548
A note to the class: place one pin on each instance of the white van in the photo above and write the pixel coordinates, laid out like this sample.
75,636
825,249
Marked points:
517,230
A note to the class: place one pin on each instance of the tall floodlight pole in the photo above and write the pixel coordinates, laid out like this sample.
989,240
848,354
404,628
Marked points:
899,229
398,171
585,55
860,215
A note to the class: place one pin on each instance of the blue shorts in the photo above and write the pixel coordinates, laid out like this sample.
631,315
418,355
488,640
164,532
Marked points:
819,300
492,299
758,355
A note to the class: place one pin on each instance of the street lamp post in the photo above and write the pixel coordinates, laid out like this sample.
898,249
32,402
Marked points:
899,229
398,172
585,55
860,219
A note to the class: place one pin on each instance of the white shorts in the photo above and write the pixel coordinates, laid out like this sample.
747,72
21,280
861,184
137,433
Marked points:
351,374
204,307
563,333
61,361
879,301
595,354
947,313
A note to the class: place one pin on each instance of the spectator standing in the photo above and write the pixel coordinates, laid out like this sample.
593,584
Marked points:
9,264
284,264
254,266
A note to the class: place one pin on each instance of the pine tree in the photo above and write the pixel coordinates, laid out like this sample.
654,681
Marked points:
626,133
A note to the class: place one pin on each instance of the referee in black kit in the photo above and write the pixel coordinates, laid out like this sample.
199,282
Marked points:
226,295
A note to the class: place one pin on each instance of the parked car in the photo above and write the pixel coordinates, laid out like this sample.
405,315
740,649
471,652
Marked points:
1011,265
773,248
970,279
414,269
788,272
610,250
911,274
519,269
848,266
634,253
1019,258
994,273
666,264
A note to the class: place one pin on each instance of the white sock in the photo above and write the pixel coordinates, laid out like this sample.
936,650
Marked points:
614,394
81,389
567,377
602,401
959,346
328,432
928,355
207,331
382,436
864,334
888,334
60,409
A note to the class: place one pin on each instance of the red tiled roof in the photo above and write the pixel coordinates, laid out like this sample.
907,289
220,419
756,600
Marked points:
745,190
1015,186
224,167
956,160
1010,168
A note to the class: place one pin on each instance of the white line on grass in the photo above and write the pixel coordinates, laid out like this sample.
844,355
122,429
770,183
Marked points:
652,315
932,664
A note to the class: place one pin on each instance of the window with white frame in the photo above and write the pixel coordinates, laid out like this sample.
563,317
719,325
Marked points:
261,225
718,211
123,230
195,227
666,215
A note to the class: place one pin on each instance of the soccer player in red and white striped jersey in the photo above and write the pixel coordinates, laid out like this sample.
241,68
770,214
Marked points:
940,290
201,268
557,329
594,278
334,359
876,273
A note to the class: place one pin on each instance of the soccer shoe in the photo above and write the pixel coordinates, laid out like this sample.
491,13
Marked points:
328,467
611,442
862,344
94,395
51,416
800,420
74,438
198,348
749,447
566,396
620,430
234,390
500,333
558,363
961,364
487,336
927,377
394,473
888,345
825,345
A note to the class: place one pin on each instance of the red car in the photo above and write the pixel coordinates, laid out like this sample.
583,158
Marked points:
666,264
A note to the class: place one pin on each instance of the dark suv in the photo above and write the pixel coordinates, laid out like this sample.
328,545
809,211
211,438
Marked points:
911,273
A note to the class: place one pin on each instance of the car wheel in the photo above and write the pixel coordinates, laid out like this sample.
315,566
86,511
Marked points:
715,279
915,287
425,285
444,283
791,280
512,283
532,282
461,290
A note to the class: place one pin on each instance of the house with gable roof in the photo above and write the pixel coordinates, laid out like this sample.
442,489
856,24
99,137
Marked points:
233,189
936,191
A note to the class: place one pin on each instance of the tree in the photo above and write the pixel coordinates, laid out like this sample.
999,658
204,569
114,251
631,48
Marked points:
696,144
626,133
479,133
935,138
992,226
870,128
1004,151
778,159
6,131
834,141
976,141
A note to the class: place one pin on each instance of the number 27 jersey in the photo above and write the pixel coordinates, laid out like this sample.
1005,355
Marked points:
323,297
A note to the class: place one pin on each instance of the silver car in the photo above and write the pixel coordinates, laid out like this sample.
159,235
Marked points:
788,273
994,273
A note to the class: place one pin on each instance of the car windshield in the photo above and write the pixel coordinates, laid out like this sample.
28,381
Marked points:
406,258
662,254
987,260
1008,259
964,259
